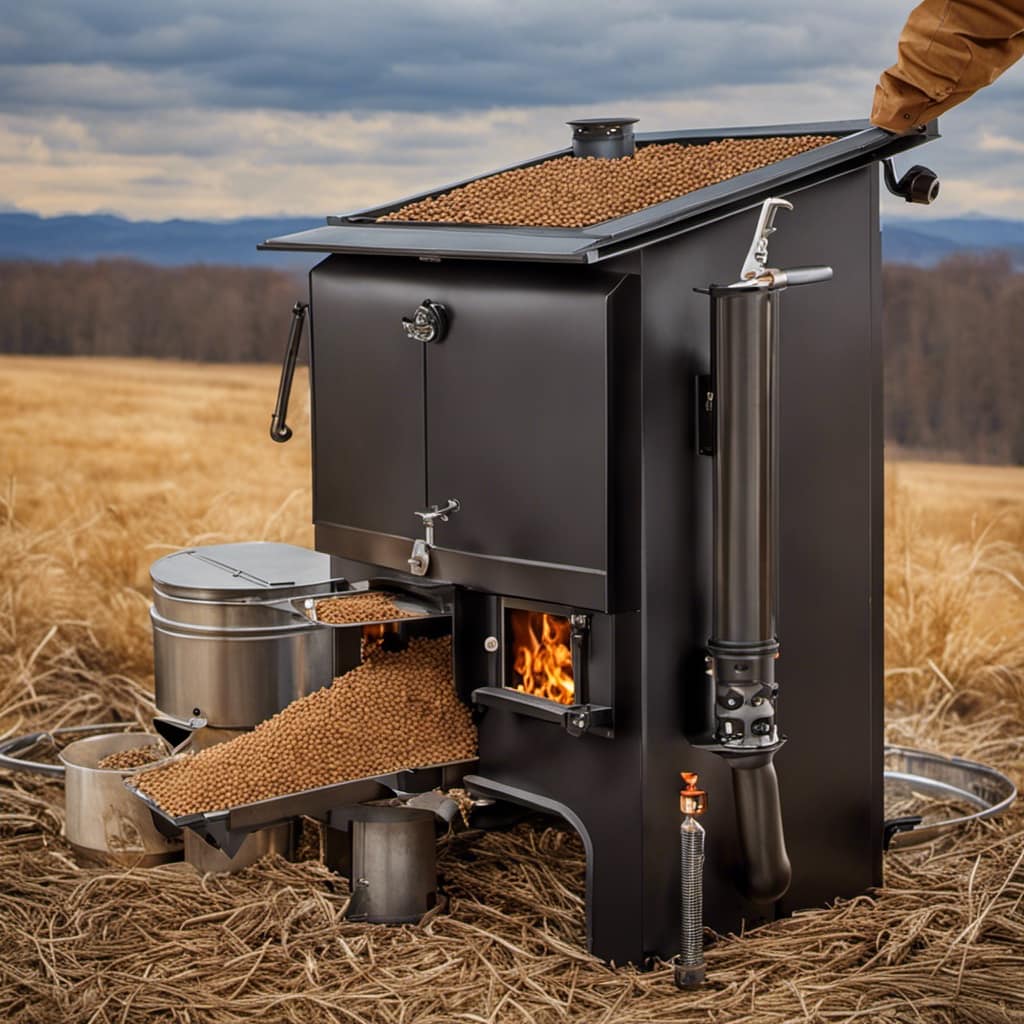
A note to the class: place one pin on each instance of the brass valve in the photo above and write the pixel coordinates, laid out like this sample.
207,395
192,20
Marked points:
692,801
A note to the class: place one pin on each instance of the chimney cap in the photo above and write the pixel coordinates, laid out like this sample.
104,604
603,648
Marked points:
607,137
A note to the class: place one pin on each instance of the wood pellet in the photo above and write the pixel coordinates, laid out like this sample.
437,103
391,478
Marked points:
373,606
399,709
574,192
133,757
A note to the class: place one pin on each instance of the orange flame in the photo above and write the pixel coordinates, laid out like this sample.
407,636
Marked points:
543,657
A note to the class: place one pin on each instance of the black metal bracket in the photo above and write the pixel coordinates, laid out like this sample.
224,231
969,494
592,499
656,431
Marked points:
705,405
894,825
579,645
575,719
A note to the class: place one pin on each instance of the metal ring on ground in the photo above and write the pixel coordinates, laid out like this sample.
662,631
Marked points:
947,778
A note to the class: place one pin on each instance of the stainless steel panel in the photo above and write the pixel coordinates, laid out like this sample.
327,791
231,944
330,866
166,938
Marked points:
235,680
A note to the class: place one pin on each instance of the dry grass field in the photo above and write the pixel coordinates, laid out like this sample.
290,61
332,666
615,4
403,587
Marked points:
107,464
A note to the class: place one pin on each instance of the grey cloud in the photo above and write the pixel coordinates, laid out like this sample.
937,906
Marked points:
220,104
410,56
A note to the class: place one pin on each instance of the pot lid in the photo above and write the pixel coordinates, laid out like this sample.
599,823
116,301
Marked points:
234,571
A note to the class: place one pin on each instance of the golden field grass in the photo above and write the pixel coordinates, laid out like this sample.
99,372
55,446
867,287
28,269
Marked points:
107,464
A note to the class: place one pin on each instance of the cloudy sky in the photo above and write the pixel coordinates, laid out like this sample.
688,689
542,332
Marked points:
223,108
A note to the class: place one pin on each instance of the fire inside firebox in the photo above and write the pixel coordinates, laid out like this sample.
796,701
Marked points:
541,655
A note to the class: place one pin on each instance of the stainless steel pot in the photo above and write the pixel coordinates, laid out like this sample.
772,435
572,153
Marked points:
228,647
105,823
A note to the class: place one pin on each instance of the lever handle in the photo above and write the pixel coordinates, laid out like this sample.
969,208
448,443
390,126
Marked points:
279,430
437,512
759,817
801,275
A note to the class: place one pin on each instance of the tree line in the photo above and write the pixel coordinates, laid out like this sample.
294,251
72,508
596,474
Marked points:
954,359
126,308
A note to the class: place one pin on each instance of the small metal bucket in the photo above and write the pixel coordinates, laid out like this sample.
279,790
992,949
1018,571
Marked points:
105,823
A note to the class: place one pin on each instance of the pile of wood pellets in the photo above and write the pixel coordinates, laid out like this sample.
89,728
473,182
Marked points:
373,606
133,757
398,709
574,192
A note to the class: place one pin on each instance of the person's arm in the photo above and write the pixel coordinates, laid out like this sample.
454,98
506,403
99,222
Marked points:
948,50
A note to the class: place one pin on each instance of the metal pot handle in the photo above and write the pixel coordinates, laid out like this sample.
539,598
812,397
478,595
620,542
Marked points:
11,746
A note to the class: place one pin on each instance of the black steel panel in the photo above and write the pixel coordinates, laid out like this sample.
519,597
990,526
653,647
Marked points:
419,239
517,413
830,608
594,784
829,621
367,382
562,584
521,424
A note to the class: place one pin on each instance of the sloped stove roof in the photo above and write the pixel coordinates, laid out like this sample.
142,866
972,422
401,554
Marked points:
858,144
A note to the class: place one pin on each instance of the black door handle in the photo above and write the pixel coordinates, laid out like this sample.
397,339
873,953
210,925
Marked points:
279,430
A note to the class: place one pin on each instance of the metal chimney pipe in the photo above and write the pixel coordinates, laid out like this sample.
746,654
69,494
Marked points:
604,137
744,645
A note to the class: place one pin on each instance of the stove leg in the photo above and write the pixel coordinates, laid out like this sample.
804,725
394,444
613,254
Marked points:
614,882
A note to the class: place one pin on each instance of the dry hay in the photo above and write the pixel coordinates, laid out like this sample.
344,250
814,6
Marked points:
942,941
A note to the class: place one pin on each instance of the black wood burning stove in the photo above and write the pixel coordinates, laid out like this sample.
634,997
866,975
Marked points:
519,412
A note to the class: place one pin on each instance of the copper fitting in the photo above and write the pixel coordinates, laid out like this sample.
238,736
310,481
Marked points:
692,801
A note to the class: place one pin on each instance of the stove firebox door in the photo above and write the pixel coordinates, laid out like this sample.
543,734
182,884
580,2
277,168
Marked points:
518,413
369,469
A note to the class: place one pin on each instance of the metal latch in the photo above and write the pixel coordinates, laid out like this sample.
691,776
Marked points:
428,323
705,414
419,560
756,274
757,255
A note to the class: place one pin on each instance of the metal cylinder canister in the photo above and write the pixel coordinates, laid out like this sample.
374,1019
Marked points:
105,822
394,864
227,647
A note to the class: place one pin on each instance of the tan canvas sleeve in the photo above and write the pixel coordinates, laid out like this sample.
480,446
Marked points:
948,50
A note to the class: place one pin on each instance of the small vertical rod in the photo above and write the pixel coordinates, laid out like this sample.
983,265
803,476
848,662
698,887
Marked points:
688,966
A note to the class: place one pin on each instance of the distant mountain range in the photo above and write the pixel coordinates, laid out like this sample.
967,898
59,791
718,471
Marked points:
170,243
177,242
925,242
